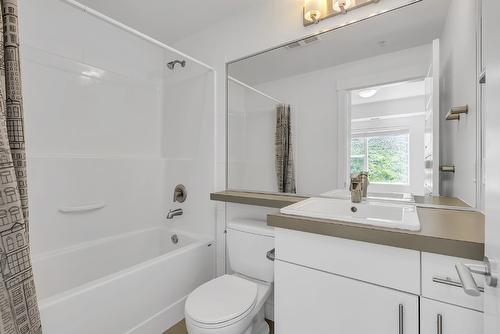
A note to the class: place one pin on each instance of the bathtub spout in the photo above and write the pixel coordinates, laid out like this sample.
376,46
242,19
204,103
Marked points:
172,213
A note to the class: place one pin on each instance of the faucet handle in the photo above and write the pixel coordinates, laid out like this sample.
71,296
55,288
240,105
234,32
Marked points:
180,193
355,185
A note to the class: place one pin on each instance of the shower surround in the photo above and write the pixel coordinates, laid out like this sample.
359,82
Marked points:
111,131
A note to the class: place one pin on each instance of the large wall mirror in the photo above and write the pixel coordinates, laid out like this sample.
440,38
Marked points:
395,95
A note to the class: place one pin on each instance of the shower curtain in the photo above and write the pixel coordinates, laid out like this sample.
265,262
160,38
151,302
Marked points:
285,169
19,312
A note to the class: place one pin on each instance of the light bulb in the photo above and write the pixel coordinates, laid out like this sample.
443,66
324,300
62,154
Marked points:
367,93
341,5
313,10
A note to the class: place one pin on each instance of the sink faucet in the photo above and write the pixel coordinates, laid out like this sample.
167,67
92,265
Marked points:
363,176
358,186
355,188
172,213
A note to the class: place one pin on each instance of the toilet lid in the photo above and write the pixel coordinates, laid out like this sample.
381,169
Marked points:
221,299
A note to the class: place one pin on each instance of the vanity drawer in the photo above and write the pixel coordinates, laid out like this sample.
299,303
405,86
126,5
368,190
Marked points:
392,267
439,278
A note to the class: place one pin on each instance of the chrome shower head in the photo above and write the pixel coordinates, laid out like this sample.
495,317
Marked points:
171,65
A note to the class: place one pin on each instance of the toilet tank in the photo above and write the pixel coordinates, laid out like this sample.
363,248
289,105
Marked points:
248,242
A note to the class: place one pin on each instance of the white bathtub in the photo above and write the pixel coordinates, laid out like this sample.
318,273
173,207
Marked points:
132,283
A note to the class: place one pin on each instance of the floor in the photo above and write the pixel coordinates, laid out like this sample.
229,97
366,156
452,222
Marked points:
180,328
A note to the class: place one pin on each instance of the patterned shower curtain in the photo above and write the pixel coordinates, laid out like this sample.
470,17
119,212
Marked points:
285,169
18,303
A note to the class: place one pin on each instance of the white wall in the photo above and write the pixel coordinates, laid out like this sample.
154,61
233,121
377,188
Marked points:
91,137
100,106
458,87
251,133
188,148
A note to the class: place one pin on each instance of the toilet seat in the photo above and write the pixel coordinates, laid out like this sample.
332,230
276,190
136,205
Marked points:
221,301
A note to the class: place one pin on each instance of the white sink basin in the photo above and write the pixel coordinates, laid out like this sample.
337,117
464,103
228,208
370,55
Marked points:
389,215
372,196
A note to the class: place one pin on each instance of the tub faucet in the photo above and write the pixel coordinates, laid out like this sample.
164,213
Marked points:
172,213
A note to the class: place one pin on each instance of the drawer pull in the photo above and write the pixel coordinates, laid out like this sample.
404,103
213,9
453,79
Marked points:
451,282
439,324
401,319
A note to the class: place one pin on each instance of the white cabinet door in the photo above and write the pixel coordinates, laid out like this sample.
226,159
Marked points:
442,318
312,301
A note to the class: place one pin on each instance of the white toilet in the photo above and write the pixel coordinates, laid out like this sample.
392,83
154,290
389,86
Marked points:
234,304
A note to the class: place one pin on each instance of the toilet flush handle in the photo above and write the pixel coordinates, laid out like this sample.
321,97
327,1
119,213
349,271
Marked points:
271,255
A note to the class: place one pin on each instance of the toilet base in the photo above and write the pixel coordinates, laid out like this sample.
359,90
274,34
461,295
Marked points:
259,324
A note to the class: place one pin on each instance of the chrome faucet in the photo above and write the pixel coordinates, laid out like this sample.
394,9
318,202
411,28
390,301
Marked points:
359,186
172,213
363,176
355,188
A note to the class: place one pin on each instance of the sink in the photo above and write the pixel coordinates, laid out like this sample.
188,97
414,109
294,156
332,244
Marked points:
372,196
389,215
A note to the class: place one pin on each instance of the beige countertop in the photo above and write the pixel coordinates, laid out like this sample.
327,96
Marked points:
269,200
273,200
440,200
447,232
444,231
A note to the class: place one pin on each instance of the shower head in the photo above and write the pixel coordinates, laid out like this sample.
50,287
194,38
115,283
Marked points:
171,65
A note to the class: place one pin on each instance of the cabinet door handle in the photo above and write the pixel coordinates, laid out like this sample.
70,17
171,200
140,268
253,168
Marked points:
439,324
468,283
401,319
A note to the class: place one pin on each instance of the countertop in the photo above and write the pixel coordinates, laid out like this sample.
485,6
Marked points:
269,200
447,232
440,200
444,231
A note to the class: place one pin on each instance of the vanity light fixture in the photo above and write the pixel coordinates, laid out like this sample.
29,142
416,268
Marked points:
317,10
367,93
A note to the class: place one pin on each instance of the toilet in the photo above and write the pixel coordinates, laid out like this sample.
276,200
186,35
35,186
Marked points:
235,304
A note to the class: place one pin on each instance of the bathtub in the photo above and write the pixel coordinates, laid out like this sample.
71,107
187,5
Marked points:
131,283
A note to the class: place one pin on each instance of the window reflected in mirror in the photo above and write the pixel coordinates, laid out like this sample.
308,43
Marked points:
387,134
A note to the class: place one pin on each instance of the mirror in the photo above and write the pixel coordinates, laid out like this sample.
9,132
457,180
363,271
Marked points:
394,94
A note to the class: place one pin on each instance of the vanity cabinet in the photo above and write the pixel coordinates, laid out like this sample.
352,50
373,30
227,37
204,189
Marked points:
313,301
333,285
441,318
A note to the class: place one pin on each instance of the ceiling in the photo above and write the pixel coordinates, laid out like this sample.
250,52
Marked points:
394,91
404,28
167,20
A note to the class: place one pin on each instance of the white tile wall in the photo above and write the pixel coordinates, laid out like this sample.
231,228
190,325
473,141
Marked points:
107,122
